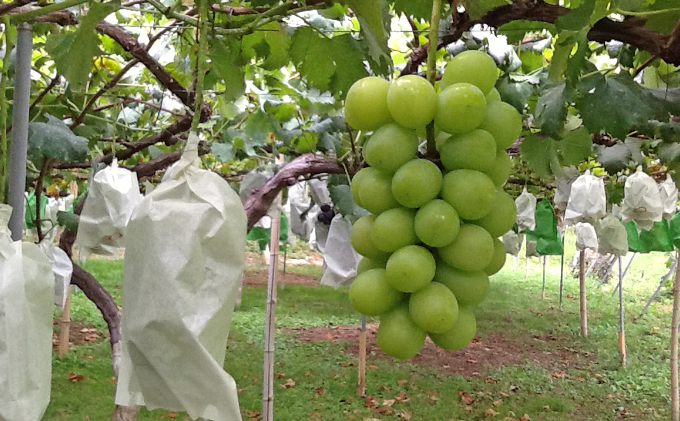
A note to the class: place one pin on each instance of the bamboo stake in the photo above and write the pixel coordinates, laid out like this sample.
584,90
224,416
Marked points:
543,288
562,272
582,293
622,328
65,326
283,276
675,395
361,376
270,323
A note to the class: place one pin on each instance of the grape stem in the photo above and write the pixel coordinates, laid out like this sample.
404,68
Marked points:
432,67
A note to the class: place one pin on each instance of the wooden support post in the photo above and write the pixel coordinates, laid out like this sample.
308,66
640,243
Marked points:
270,317
543,287
361,375
283,275
675,395
65,326
622,329
582,293
562,272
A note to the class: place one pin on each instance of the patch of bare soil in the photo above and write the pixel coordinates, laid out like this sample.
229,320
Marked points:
80,334
259,278
494,350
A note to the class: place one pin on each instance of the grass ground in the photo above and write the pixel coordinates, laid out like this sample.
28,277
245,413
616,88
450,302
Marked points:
588,385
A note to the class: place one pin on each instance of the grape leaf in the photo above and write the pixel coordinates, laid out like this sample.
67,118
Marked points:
312,57
540,154
349,64
578,18
54,140
575,147
227,63
260,124
223,151
515,93
478,8
551,110
613,104
516,30
665,18
419,9
613,158
374,20
343,203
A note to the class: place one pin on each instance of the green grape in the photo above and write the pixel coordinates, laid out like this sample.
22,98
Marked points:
437,223
367,264
390,147
355,185
370,294
471,193
360,237
493,95
433,308
471,250
501,169
498,259
460,335
410,268
469,287
416,183
502,216
412,101
475,150
460,108
473,66
366,104
375,192
503,122
393,229
398,336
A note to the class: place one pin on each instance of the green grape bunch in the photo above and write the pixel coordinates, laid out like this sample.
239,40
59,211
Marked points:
430,241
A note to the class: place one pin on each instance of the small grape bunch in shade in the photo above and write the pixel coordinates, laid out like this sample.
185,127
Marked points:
430,241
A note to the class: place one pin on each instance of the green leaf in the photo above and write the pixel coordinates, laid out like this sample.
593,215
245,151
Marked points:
666,16
374,20
551,110
68,220
575,147
478,8
343,203
613,104
349,63
227,63
560,57
54,140
576,19
419,9
515,93
540,154
613,158
73,52
223,151
312,57
578,63
259,125
271,43
516,30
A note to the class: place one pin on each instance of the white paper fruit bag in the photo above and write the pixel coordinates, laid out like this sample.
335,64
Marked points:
340,258
587,200
183,265
111,198
26,295
641,201
512,242
586,237
563,189
526,211
62,268
668,192
611,236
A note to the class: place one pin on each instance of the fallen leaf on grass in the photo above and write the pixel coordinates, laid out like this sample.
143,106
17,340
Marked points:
344,364
434,396
525,417
372,367
319,391
497,403
384,387
384,410
469,409
466,398
240,390
471,361
280,375
388,402
402,382
289,384
75,377
252,414
491,380
546,407
371,419
342,384
401,397
371,402
404,415
171,415
490,413
580,379
503,394
557,375
514,388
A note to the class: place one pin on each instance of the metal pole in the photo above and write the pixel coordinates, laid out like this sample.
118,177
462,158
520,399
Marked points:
361,375
562,272
543,288
622,330
624,273
19,147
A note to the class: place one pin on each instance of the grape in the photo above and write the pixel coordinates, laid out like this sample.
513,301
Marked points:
498,259
412,101
433,308
461,334
469,287
471,193
390,147
398,336
460,108
370,294
437,223
367,264
502,216
355,185
360,237
471,250
475,150
501,168
473,66
375,192
503,122
410,268
416,183
366,104
393,229
493,95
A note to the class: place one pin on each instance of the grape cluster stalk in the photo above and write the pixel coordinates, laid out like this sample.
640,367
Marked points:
430,241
